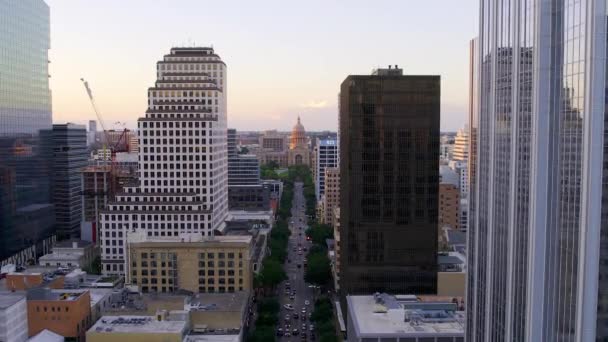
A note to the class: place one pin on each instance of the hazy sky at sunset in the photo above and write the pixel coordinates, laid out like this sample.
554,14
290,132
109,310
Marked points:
284,58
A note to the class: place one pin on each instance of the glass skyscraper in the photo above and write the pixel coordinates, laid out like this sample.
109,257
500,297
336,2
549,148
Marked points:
538,246
389,182
26,213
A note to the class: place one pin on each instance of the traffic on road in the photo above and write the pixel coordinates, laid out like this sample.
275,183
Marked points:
296,296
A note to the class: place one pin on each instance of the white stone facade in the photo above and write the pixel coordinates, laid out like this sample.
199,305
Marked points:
183,158
13,318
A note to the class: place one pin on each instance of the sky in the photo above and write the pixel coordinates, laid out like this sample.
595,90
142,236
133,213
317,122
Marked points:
284,58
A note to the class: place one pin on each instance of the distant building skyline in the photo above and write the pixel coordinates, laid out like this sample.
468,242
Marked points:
265,58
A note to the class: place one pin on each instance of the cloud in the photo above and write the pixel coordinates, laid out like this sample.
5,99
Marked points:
315,104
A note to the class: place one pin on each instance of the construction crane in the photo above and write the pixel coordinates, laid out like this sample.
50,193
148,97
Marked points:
90,93
123,135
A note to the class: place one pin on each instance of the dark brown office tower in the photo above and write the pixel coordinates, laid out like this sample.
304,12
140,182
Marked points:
389,178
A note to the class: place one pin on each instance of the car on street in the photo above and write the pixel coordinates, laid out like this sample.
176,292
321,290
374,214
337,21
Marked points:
287,334
295,332
292,297
288,307
311,327
295,315
306,302
280,332
299,265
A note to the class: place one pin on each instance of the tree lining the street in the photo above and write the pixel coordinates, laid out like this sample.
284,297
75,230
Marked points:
318,268
272,272
323,316
319,232
267,318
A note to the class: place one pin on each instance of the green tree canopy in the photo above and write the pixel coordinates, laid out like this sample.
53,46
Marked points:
262,334
272,273
318,269
320,232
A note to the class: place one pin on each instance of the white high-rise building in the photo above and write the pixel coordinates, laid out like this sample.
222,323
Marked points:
91,134
538,245
461,145
326,155
13,317
183,182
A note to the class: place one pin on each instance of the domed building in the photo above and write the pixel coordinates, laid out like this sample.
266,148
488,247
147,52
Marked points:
298,154
298,135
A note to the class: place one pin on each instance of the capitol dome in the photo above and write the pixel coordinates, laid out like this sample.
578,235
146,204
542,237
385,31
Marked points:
298,136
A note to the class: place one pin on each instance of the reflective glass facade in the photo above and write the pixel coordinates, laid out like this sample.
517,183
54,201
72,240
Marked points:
538,252
69,157
389,183
26,215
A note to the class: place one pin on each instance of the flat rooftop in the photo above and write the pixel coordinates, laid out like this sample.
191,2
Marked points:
8,299
98,295
188,238
456,237
193,337
70,244
136,325
236,301
403,316
55,256
238,215
58,295
35,269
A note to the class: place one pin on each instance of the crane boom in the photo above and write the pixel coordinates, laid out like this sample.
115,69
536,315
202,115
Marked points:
97,113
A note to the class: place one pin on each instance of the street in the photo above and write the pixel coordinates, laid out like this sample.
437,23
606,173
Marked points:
295,292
